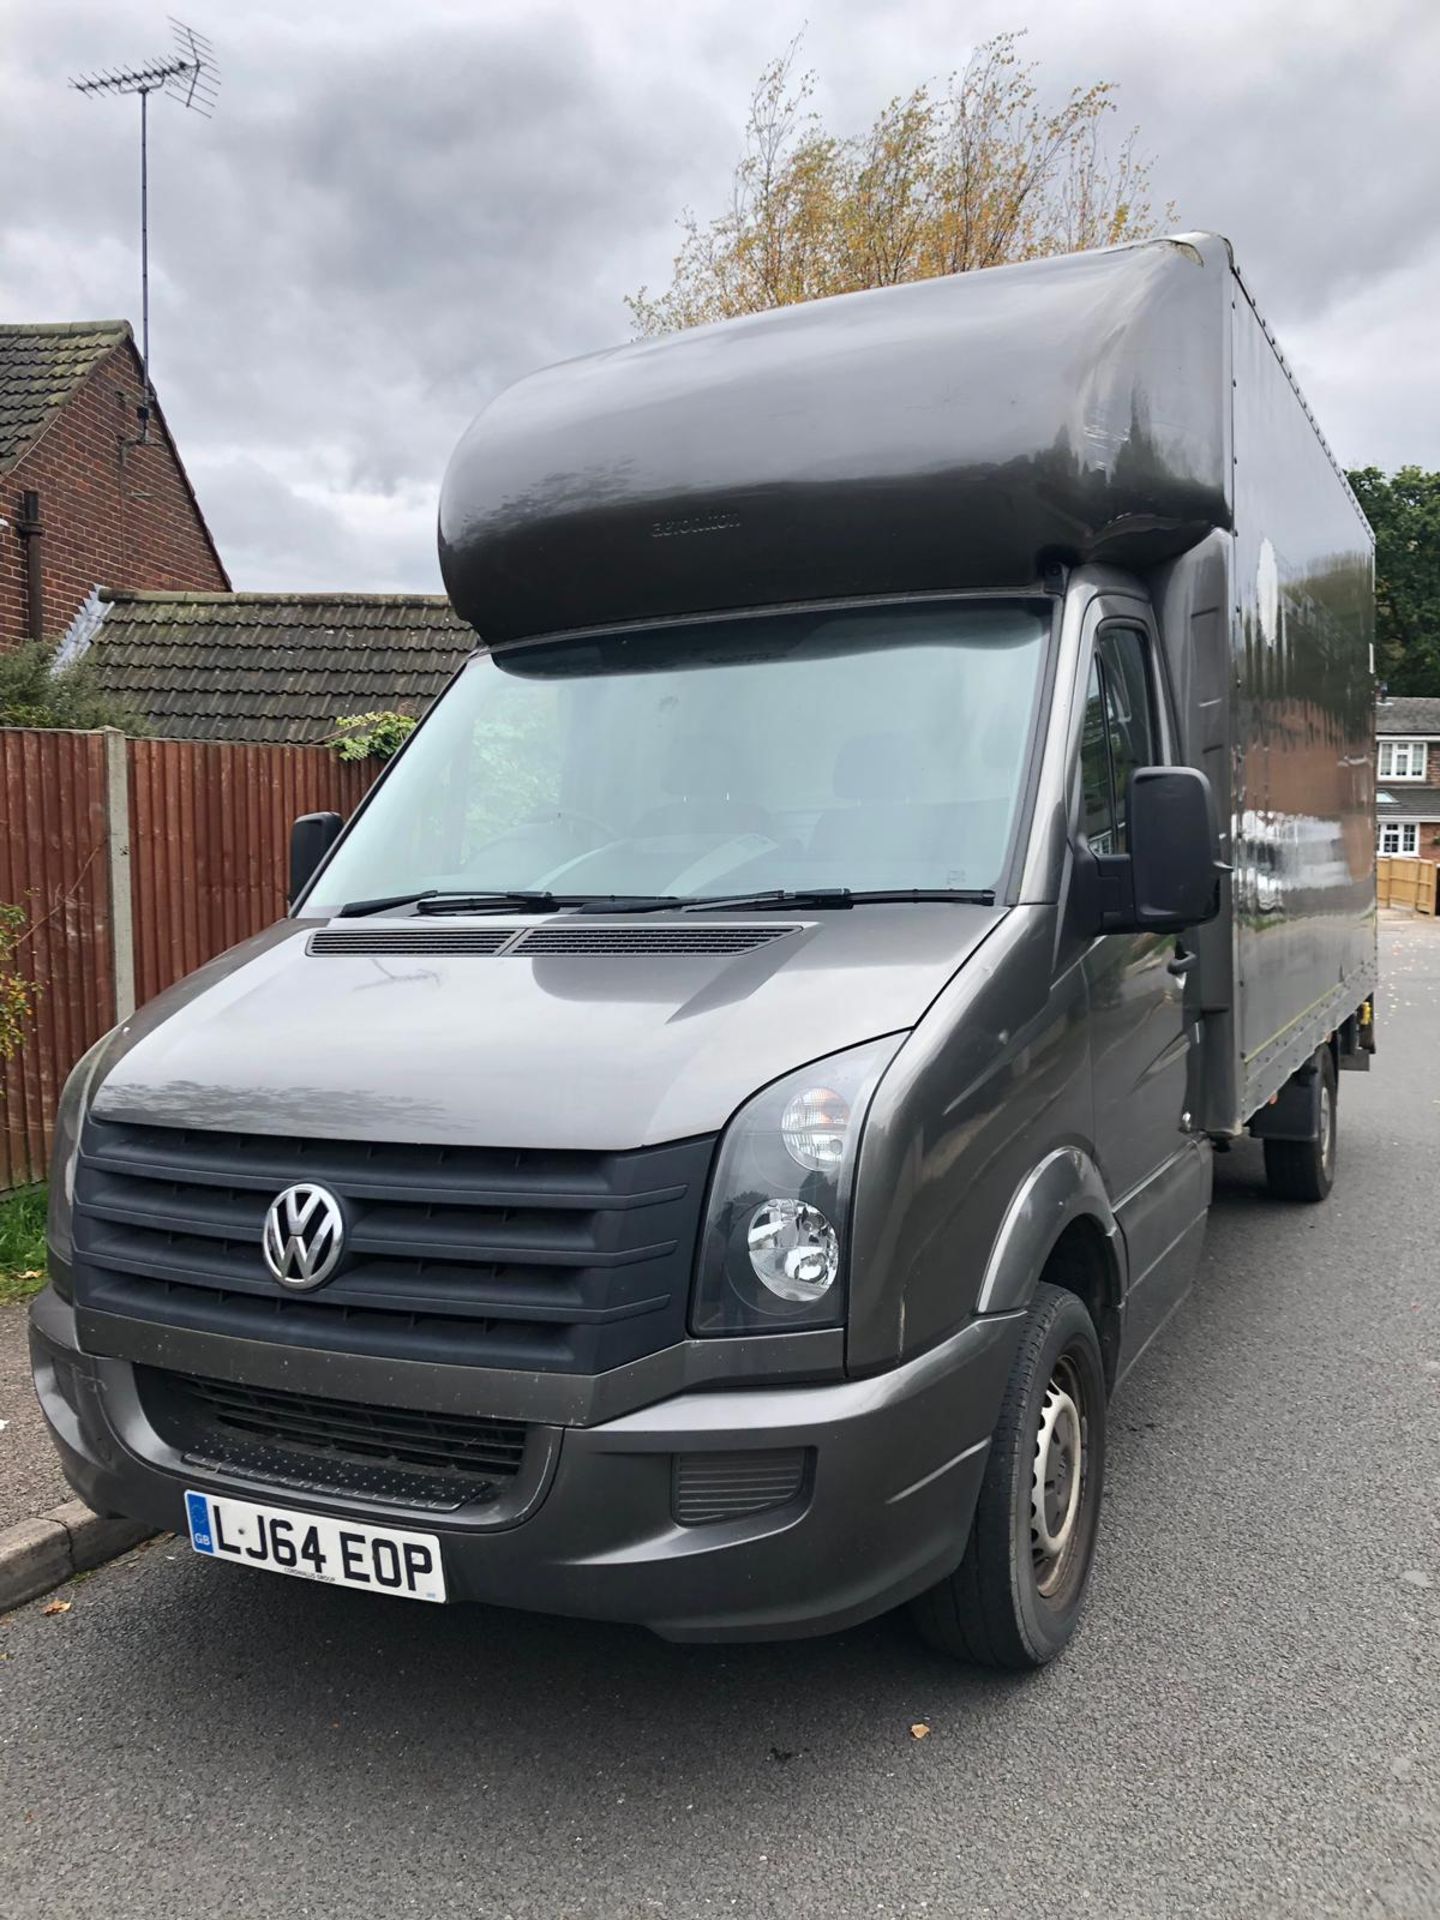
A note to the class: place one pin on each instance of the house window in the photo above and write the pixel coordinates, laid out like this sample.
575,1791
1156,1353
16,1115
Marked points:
1400,836
1402,759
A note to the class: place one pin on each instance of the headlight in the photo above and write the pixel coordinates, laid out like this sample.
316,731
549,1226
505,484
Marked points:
814,1126
794,1250
772,1255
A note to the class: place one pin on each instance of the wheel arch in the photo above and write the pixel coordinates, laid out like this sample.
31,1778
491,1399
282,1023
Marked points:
1061,1228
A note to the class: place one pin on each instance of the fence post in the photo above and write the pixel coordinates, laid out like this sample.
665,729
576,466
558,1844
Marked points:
117,846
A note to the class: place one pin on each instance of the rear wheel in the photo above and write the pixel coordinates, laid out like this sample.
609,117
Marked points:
1305,1169
1015,1598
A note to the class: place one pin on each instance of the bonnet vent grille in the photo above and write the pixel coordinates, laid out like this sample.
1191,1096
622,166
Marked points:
647,940
411,939
539,942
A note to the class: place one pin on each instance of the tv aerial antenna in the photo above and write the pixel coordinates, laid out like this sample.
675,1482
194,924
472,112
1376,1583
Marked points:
188,73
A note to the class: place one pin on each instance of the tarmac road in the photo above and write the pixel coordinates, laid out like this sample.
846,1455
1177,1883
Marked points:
1245,1726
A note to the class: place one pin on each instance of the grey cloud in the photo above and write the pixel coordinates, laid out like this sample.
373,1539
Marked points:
1303,129
364,244
308,545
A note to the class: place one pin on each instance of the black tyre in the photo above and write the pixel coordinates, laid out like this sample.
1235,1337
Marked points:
1305,1169
1015,1598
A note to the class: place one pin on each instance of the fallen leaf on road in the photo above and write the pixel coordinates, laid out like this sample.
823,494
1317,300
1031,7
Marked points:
58,1606
919,1731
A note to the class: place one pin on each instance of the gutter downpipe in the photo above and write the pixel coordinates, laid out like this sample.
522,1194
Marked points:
32,532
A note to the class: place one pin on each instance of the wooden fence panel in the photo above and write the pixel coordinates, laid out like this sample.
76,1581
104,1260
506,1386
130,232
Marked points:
53,863
210,835
1401,881
208,832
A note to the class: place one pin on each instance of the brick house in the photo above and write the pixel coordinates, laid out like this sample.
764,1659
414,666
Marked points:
92,489
273,667
1407,768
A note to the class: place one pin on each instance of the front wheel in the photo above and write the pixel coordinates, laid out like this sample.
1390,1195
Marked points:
1015,1598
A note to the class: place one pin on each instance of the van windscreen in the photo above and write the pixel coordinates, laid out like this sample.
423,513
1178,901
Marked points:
872,748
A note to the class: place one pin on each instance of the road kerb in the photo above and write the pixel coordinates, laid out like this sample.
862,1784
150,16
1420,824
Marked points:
36,1555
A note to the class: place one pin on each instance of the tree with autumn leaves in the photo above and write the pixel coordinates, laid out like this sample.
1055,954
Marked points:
969,173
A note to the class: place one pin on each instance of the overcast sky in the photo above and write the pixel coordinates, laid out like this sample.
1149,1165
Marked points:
401,205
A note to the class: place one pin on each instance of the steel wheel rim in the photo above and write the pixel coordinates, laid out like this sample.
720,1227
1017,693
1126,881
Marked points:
1327,1127
1059,1477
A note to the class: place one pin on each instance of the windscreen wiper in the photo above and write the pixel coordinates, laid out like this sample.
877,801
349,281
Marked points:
627,902
818,897
543,902
775,897
527,899
352,909
434,900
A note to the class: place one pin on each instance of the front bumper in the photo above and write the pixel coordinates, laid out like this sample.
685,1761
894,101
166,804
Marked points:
884,1510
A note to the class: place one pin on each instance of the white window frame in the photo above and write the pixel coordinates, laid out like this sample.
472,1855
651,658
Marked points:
1402,759
1407,839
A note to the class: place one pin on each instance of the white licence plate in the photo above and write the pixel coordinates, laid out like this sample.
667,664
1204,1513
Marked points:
312,1546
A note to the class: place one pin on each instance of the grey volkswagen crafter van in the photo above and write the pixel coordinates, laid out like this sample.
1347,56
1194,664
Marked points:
719,1122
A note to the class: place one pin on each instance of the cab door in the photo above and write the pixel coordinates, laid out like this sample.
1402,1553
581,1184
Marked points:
1157,1173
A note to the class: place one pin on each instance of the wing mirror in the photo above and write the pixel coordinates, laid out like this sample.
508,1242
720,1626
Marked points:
311,838
1170,878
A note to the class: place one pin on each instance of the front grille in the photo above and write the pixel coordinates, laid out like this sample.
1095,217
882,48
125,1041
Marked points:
542,1261
300,1440
727,1486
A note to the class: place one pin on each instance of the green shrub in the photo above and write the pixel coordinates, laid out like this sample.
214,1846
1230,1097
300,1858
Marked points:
34,693
17,994
22,1244
371,736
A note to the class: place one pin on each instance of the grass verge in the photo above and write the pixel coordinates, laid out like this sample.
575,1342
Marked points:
22,1244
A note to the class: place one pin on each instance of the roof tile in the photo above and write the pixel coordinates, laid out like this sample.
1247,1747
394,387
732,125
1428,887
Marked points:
274,666
1396,801
1414,714
40,367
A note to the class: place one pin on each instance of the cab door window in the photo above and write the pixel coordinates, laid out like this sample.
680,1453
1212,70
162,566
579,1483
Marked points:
1097,793
1131,734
